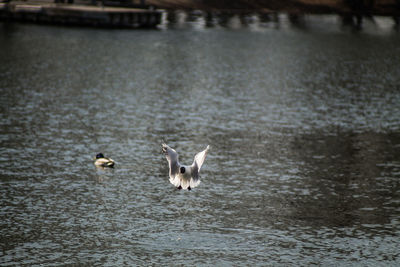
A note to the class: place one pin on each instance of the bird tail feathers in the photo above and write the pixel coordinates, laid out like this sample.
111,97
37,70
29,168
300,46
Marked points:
183,183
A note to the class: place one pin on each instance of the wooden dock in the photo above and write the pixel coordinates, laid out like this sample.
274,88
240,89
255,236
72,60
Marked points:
80,15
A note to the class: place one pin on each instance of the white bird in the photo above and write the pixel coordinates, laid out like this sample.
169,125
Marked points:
181,176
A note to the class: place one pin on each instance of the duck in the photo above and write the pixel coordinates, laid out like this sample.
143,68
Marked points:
102,161
182,176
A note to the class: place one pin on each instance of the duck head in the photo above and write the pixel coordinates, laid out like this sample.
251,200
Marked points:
99,156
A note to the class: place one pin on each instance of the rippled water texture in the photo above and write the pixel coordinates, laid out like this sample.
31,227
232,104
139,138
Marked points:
303,124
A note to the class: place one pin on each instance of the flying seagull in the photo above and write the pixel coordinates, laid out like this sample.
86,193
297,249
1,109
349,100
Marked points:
181,176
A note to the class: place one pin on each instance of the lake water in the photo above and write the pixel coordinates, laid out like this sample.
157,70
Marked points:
303,122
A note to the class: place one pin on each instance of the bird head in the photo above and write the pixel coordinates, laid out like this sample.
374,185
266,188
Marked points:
182,169
99,156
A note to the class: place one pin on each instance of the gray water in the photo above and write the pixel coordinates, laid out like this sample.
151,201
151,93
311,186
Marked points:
303,125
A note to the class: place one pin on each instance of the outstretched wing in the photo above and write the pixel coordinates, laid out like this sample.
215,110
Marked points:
172,158
198,162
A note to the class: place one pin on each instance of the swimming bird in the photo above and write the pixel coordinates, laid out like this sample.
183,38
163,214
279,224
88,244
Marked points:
102,161
182,176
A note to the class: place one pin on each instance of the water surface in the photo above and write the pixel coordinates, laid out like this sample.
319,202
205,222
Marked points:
303,124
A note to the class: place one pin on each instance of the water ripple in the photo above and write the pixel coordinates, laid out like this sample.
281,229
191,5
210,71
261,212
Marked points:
303,126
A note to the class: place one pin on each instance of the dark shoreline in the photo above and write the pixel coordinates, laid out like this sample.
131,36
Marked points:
117,14
364,7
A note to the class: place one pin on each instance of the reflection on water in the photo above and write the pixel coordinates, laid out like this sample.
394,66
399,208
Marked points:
199,20
304,164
